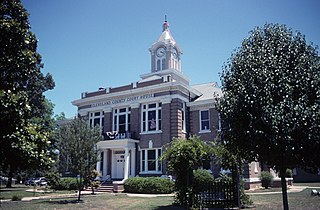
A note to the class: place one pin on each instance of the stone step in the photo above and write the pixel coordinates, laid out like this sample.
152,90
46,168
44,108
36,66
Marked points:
103,188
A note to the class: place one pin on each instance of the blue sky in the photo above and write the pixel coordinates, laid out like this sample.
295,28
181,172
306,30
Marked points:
98,43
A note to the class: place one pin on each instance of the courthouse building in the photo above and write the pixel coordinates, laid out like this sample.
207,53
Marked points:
139,119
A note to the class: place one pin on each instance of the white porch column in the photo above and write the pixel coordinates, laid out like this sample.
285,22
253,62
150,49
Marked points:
105,163
126,163
133,162
98,163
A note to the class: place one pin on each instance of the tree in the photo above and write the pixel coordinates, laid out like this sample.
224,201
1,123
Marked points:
24,110
271,100
77,143
184,155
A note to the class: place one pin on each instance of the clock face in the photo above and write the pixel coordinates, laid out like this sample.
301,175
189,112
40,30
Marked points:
161,52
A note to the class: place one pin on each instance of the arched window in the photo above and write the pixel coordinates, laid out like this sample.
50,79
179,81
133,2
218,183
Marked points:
158,65
163,64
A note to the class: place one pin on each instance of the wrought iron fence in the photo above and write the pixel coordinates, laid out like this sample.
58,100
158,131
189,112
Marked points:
218,195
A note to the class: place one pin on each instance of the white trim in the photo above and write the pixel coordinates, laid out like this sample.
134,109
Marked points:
164,98
150,132
251,180
167,86
205,131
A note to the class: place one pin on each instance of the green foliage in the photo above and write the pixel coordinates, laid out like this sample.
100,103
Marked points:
183,155
16,198
53,179
89,180
25,112
266,179
224,178
69,183
271,99
77,142
202,179
148,185
288,173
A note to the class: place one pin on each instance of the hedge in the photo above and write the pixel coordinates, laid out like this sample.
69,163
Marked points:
66,184
148,185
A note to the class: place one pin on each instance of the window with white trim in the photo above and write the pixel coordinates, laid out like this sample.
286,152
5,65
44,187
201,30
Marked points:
204,120
149,161
151,117
121,120
96,119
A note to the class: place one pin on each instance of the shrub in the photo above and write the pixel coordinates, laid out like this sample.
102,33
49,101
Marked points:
288,173
148,185
66,184
266,179
202,179
16,198
224,178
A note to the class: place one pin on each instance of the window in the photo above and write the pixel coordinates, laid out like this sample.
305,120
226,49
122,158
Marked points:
151,117
96,119
149,161
121,120
158,65
204,120
163,62
183,116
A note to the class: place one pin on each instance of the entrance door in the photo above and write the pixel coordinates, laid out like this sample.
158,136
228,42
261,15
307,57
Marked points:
119,167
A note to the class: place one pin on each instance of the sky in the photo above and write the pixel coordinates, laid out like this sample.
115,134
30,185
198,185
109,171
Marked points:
87,44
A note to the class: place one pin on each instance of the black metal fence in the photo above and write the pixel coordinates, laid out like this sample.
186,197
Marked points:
218,195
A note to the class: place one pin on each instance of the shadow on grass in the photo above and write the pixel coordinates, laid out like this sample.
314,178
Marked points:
170,207
62,201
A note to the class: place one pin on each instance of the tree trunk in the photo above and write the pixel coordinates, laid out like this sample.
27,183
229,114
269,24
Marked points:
80,186
10,175
284,189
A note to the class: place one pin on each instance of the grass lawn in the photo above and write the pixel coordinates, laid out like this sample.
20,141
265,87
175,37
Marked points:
100,201
20,190
297,200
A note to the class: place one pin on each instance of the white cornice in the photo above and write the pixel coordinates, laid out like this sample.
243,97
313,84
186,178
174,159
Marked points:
196,105
168,86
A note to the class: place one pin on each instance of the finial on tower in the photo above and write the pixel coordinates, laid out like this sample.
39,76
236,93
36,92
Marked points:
165,26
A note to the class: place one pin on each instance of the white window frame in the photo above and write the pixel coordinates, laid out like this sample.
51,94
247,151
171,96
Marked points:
117,114
92,117
200,122
144,163
145,109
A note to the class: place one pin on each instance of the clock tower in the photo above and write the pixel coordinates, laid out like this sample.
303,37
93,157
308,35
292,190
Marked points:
165,52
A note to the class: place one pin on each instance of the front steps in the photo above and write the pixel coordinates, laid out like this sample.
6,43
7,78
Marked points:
105,187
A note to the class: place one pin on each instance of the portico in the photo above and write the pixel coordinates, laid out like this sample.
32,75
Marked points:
118,160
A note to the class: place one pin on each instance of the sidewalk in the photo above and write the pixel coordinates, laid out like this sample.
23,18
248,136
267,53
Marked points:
71,195
291,189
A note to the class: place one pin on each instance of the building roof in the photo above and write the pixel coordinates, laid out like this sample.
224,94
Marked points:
208,91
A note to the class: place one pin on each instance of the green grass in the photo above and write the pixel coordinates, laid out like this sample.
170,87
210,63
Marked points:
20,190
100,201
298,200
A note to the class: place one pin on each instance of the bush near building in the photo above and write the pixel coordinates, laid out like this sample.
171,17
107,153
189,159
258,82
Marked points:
149,185
266,179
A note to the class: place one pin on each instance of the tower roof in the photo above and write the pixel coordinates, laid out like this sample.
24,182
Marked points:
166,35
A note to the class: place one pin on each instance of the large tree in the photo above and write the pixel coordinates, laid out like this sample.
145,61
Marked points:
25,113
271,103
77,144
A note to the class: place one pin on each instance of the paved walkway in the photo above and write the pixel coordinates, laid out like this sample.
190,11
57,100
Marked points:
292,189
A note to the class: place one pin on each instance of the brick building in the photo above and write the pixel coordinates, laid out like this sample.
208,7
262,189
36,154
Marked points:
140,118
